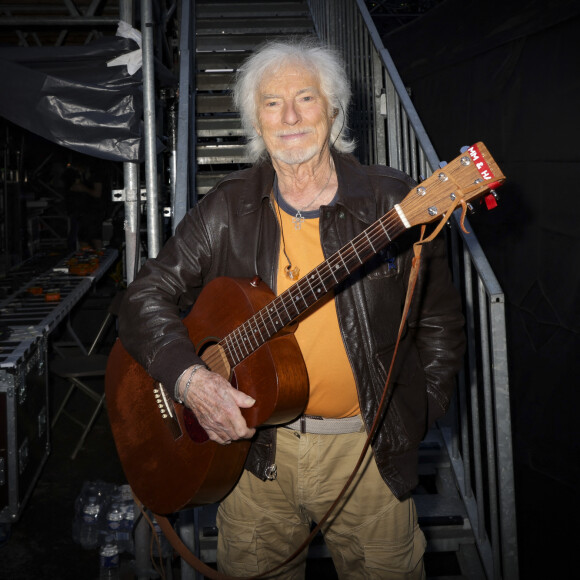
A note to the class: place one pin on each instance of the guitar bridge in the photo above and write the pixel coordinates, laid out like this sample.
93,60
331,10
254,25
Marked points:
167,410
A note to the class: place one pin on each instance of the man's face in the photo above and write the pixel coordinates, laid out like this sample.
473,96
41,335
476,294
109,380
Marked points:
293,115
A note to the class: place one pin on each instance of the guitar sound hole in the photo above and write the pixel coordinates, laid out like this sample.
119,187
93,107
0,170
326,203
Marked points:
194,429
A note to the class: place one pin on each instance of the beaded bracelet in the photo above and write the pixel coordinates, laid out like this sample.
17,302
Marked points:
188,384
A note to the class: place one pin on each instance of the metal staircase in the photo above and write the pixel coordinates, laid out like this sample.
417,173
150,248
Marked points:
465,499
226,32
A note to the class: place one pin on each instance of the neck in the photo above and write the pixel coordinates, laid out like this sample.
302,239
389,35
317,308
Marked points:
310,184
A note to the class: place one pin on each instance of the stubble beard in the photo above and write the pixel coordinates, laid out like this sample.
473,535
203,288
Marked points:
296,156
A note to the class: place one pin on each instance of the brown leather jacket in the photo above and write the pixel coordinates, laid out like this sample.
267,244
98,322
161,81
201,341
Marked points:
234,232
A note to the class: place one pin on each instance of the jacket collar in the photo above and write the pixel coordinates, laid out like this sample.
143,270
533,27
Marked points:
355,192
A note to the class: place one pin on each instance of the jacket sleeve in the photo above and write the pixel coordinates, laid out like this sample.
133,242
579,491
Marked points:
437,322
150,320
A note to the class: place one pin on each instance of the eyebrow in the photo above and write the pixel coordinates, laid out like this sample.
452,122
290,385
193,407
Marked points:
301,91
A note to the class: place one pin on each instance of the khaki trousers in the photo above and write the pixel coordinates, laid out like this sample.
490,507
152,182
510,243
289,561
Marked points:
371,535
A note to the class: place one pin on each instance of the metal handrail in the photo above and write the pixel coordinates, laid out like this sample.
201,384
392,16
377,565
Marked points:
477,430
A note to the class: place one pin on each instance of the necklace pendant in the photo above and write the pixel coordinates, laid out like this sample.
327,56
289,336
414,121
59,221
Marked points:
297,220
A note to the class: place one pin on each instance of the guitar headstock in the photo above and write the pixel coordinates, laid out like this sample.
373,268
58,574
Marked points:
469,176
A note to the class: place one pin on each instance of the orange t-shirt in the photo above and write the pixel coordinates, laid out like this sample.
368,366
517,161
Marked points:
332,384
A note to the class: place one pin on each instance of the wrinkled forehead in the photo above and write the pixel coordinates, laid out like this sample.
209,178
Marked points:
284,74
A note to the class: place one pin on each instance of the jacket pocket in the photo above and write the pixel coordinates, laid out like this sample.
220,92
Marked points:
385,264
407,411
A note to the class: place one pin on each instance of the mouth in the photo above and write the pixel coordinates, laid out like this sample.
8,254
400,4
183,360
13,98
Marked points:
291,135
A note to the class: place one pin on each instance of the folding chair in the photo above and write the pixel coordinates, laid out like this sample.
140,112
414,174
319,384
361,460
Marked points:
78,369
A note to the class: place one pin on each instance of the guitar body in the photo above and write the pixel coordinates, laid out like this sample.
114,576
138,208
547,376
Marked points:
169,462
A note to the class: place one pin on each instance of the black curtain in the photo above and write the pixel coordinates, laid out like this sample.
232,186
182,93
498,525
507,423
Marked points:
507,73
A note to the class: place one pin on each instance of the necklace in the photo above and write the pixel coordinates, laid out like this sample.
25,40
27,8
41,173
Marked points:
298,217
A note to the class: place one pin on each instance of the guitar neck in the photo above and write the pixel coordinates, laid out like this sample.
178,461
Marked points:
294,301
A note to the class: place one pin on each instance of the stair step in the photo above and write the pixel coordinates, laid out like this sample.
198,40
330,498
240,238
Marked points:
234,42
216,127
205,180
214,81
219,61
253,25
205,103
250,9
438,509
224,153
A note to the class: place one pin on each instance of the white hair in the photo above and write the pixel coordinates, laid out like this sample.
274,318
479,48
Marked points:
325,63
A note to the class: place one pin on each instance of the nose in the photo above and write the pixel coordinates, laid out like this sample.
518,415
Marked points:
290,115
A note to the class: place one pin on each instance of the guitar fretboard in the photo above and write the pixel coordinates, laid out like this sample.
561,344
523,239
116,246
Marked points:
289,305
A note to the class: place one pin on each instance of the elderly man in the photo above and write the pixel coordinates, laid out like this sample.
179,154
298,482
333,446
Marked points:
303,199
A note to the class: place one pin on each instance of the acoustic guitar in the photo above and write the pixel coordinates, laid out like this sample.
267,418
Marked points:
246,336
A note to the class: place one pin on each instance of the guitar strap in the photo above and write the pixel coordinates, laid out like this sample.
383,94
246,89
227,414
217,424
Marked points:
200,566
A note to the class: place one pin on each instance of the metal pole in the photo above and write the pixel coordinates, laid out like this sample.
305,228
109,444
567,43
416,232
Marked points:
183,118
131,185
153,237
132,209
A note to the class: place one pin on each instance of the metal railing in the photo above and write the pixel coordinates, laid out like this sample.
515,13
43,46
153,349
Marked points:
477,429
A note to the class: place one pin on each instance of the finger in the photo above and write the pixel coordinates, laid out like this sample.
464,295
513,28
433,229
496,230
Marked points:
242,400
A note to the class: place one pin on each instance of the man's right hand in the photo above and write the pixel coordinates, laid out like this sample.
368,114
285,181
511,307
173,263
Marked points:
216,405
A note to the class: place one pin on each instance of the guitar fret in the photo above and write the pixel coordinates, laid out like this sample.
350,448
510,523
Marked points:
273,308
250,334
299,287
293,300
332,273
314,292
240,341
268,310
384,229
258,327
340,255
233,352
370,242
354,248
321,280
288,314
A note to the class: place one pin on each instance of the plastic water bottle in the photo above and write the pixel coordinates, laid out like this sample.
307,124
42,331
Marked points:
114,520
166,549
109,560
89,533
125,531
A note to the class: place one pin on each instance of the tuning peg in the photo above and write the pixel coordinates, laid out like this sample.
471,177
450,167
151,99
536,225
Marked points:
464,149
442,164
491,199
471,209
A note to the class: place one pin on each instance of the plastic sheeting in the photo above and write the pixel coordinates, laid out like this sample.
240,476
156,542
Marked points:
70,96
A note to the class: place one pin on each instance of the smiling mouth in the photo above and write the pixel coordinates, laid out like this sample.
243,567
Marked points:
289,135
